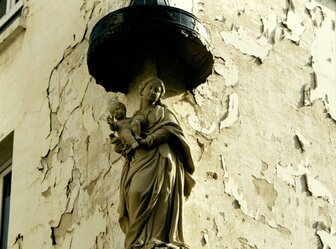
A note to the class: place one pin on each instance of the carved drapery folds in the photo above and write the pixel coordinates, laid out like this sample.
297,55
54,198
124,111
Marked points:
157,172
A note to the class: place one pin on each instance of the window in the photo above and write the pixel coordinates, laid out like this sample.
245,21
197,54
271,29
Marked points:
9,10
5,188
6,151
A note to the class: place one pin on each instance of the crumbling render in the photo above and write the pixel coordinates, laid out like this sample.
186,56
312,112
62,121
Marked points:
229,71
205,238
19,241
323,52
294,26
269,27
315,187
245,244
266,191
85,232
318,190
327,236
233,112
306,93
192,116
232,189
301,141
242,41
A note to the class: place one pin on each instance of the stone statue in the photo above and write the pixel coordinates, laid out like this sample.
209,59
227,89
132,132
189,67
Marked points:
156,176
128,130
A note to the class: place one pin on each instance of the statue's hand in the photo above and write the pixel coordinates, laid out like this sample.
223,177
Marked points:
113,126
119,147
147,142
109,120
142,142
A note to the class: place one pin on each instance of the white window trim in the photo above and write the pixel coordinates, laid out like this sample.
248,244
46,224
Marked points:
12,8
4,170
9,33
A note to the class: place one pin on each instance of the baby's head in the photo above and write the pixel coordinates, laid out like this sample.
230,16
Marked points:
118,110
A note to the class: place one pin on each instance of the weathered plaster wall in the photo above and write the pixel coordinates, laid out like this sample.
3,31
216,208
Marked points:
262,128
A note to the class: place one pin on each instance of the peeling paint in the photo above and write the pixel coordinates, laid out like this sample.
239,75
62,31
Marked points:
264,196
323,51
295,27
193,119
245,244
301,141
89,122
328,239
316,14
266,191
229,71
233,112
326,235
205,238
269,26
287,174
232,189
242,41
86,231
315,187
18,241
318,189
306,95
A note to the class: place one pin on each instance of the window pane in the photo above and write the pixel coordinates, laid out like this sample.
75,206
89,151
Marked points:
5,209
3,5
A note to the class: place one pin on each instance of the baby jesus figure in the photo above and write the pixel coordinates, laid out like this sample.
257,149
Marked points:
128,129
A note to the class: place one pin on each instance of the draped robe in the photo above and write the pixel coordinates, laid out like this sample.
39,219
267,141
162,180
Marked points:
153,184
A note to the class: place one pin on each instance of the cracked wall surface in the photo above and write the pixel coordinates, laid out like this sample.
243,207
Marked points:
262,128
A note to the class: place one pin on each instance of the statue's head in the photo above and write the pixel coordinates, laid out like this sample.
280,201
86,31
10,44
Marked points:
117,110
154,83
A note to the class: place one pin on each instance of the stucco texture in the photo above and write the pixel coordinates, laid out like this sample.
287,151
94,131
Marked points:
262,128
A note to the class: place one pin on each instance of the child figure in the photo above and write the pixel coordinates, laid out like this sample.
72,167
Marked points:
128,129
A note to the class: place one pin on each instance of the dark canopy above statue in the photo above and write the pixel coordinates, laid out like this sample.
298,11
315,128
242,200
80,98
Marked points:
149,2
124,39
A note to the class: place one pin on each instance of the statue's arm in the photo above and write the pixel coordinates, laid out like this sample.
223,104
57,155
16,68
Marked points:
157,137
119,147
114,126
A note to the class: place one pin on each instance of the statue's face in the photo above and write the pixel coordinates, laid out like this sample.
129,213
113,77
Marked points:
152,91
119,113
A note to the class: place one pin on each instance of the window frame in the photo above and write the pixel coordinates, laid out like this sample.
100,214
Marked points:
12,9
5,169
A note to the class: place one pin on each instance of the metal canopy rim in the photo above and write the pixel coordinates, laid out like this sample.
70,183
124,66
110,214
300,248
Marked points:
122,35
